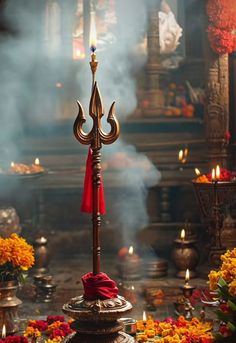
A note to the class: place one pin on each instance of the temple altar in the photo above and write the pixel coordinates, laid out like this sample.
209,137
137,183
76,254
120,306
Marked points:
164,155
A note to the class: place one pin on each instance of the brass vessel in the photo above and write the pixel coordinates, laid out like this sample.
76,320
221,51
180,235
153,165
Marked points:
8,306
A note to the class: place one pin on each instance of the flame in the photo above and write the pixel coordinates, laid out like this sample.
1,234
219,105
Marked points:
144,316
93,33
181,155
185,152
131,250
197,171
43,240
12,164
182,234
187,276
217,172
4,331
36,161
213,174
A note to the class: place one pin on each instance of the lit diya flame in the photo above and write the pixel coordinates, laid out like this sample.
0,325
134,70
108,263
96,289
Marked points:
93,33
4,331
187,277
217,172
36,161
213,174
12,164
197,171
181,155
144,316
182,235
185,153
131,250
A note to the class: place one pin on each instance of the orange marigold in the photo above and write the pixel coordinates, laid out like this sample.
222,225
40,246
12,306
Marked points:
22,253
232,288
213,279
5,251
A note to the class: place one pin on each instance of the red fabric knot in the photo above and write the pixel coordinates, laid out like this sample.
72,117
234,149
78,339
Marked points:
87,200
98,286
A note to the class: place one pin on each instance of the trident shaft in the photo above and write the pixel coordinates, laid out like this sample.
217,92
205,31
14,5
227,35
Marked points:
95,138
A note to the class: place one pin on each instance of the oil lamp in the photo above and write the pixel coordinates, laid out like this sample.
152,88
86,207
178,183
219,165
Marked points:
129,267
185,255
41,255
187,290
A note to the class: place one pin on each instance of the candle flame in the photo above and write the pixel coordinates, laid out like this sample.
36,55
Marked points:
36,161
131,250
187,276
43,239
12,164
181,155
213,174
197,171
4,331
93,33
182,234
217,172
185,152
144,316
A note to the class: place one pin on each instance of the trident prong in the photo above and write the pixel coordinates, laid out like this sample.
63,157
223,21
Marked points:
96,136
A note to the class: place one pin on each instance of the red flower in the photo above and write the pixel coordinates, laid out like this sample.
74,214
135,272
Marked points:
224,308
65,327
225,331
57,332
221,31
41,325
16,339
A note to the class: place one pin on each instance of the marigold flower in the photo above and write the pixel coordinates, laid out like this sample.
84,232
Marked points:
22,253
5,251
232,288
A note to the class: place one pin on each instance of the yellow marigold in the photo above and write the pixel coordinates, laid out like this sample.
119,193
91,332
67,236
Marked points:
22,253
54,340
32,332
213,279
232,288
5,251
229,254
53,326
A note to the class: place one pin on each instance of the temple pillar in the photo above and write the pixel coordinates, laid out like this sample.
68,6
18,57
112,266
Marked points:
154,94
217,108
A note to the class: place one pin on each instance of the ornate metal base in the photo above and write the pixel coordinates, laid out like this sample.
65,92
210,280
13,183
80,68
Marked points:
97,320
119,337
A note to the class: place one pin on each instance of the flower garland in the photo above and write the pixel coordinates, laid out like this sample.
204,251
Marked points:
222,26
174,331
54,329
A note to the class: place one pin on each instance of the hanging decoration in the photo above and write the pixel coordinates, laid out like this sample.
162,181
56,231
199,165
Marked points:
222,25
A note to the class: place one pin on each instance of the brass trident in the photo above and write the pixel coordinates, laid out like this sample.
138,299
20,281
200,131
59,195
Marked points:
95,138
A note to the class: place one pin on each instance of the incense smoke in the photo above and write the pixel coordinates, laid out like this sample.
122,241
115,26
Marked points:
39,78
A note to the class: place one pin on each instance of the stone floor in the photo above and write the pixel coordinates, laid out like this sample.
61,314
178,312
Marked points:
155,296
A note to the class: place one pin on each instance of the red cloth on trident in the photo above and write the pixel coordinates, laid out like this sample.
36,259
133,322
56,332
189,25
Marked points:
87,200
99,286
